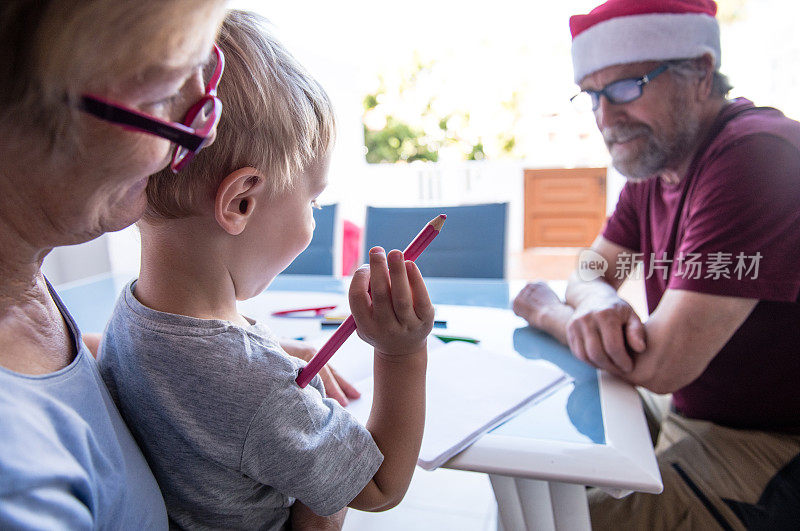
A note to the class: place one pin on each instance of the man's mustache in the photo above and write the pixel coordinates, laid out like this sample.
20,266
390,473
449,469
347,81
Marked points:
623,133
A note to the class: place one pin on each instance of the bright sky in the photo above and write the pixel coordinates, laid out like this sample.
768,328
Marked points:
490,49
487,51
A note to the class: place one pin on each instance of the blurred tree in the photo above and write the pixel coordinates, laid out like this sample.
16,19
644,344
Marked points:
463,106
405,120
397,142
730,10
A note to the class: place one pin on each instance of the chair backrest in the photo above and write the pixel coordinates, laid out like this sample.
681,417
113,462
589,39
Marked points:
319,256
472,243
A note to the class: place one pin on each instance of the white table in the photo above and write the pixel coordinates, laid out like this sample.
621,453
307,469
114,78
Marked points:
590,432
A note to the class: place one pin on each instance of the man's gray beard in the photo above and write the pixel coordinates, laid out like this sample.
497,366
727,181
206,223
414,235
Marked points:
658,154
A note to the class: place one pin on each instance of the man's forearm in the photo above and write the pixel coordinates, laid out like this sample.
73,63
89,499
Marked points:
579,290
554,321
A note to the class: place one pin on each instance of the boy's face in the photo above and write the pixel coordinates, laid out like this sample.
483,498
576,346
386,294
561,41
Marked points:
281,229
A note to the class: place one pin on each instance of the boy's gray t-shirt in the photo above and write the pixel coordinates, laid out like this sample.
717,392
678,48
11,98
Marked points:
229,435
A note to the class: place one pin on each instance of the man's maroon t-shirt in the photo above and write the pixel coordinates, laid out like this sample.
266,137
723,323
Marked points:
730,227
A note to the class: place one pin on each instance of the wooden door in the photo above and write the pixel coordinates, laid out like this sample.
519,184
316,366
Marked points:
564,207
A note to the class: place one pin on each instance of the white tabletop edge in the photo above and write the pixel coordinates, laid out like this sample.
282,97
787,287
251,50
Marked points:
626,426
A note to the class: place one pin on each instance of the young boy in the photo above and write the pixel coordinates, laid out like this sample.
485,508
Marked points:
208,393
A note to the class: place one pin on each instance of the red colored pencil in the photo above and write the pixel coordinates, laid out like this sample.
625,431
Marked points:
318,310
412,252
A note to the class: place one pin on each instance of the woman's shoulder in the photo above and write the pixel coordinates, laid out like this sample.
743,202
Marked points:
66,449
70,405
34,460
46,436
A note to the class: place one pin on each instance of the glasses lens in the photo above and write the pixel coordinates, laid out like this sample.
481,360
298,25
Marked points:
623,91
180,154
584,102
198,122
205,114
202,119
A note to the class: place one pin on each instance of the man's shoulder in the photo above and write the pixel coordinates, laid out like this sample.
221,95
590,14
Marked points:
756,151
764,124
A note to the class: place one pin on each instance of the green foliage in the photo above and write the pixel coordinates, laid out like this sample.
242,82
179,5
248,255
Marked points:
477,152
729,11
370,101
423,132
397,142
508,143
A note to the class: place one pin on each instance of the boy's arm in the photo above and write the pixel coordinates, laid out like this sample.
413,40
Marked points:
396,318
336,386
304,519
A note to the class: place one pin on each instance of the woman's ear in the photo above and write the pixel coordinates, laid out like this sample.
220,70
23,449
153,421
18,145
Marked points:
237,197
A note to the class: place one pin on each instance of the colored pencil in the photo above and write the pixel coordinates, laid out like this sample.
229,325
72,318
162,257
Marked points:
448,339
412,252
318,310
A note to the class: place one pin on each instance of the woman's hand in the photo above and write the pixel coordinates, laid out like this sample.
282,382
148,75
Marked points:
336,386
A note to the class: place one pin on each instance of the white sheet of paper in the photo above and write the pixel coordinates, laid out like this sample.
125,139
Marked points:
355,358
470,390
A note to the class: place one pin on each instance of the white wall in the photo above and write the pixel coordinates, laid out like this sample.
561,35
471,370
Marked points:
442,184
614,183
65,264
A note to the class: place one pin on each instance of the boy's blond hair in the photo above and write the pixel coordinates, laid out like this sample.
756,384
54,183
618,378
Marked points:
275,118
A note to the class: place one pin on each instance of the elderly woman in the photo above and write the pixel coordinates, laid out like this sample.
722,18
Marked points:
95,95
90,93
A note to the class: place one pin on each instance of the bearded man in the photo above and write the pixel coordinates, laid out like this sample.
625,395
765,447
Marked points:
711,212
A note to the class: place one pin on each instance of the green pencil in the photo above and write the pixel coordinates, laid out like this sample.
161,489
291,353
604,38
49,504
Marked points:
448,339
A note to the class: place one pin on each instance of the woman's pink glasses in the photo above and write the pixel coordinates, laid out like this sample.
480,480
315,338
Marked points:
190,136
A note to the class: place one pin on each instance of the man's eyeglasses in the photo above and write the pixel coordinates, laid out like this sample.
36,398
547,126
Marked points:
190,136
620,91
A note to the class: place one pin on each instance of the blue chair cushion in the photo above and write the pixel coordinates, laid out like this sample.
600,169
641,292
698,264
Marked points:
318,258
472,243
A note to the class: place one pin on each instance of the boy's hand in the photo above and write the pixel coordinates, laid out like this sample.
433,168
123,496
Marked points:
336,386
390,304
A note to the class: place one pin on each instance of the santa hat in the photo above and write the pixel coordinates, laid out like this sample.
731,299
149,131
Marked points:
631,31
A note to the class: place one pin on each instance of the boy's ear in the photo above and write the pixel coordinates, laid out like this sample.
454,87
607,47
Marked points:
237,197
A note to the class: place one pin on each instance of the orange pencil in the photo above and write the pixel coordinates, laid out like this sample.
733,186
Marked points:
412,252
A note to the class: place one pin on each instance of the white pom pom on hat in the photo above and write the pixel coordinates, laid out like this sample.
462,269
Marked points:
632,31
